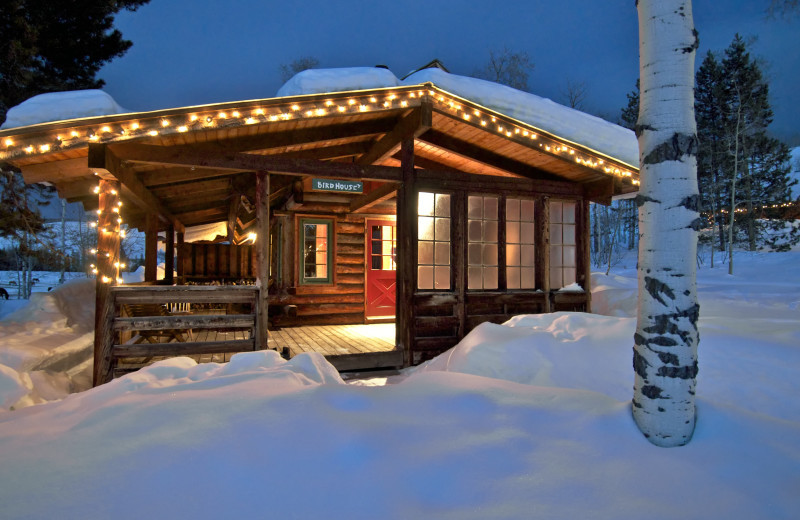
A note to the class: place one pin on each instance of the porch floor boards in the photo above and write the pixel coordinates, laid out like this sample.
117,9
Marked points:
332,341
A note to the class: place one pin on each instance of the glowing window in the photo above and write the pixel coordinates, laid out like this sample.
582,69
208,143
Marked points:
433,244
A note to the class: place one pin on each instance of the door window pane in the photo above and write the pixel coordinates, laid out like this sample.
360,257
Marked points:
384,244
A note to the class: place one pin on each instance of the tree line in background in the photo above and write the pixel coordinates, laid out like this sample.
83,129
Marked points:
741,170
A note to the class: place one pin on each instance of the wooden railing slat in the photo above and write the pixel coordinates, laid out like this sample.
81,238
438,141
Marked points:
206,321
183,349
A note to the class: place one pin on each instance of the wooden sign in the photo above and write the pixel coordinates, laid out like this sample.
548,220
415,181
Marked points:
336,185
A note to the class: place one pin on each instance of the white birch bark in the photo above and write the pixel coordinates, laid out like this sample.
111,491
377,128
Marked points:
665,342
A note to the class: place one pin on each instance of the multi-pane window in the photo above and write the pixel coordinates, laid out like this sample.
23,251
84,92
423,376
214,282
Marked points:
383,247
520,244
562,244
433,245
482,259
315,251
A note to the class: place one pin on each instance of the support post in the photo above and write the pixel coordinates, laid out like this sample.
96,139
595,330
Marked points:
151,248
583,273
181,258
407,252
542,250
107,270
262,258
169,255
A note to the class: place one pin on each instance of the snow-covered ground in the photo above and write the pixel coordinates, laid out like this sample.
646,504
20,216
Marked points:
530,419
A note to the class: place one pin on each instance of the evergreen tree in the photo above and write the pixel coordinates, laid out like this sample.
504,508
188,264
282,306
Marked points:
630,113
48,46
741,170
709,105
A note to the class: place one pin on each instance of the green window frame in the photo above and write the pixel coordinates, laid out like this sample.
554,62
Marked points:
315,251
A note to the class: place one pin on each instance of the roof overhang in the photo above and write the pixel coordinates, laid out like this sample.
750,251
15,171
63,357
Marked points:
191,164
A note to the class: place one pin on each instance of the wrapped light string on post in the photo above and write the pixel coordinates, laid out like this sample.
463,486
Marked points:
110,231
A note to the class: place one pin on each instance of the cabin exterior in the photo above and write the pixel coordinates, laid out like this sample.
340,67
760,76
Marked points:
407,204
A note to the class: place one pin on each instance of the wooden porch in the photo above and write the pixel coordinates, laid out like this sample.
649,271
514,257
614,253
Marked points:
347,347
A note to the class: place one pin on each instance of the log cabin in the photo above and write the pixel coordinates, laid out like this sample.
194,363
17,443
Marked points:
427,204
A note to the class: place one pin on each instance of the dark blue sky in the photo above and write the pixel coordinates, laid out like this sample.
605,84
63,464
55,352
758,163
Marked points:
190,52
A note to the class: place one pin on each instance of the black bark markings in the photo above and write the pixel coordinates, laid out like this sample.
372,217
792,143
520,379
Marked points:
656,287
684,372
652,392
640,364
673,149
641,199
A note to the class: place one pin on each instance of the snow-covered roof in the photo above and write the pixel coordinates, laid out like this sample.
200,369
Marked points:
319,81
547,115
60,106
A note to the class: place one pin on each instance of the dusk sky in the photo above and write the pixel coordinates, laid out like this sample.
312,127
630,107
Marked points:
188,52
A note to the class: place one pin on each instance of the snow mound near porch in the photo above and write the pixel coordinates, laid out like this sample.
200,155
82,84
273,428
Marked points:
60,106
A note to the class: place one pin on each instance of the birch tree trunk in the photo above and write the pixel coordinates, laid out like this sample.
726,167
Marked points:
665,342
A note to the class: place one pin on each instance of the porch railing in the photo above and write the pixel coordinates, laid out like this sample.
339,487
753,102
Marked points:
223,308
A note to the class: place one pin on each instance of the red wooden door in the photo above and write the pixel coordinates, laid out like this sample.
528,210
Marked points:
381,267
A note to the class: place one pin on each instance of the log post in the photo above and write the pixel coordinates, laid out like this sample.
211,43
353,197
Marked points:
181,258
407,252
458,260
169,255
262,258
107,272
542,250
583,273
151,248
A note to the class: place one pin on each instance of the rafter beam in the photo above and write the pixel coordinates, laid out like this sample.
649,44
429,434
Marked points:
376,196
101,158
411,126
484,156
55,171
206,158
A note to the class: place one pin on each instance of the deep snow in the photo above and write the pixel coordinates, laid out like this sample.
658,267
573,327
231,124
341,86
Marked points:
530,419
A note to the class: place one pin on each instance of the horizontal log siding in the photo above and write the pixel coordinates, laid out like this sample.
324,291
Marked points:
339,303
217,261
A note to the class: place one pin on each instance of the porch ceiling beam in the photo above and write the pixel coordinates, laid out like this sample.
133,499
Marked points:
101,158
162,176
205,158
484,156
412,125
328,152
376,196
599,191
55,171
191,189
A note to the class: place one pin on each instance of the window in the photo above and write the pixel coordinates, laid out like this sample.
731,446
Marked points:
433,245
384,245
520,241
562,244
482,242
315,251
